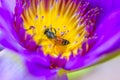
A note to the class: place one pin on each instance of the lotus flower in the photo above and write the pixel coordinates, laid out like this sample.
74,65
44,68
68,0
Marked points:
51,35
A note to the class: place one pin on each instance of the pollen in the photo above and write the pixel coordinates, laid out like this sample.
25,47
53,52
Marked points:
70,23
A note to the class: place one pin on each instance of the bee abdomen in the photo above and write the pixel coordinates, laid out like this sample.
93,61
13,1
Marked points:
65,42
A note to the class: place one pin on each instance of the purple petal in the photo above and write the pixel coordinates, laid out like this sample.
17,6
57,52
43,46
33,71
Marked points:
38,64
108,34
37,69
108,40
11,65
1,47
8,5
58,61
7,32
7,21
9,42
107,5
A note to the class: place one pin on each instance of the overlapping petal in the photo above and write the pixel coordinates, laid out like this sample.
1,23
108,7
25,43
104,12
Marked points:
108,40
108,33
38,65
7,38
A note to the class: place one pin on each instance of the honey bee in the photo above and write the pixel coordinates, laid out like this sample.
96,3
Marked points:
57,39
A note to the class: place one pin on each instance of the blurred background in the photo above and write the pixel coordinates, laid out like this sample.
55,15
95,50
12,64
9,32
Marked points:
109,70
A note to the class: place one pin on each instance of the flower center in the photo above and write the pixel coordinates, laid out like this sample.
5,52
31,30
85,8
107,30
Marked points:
59,26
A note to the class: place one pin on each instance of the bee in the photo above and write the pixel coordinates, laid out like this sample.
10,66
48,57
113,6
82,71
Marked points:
51,34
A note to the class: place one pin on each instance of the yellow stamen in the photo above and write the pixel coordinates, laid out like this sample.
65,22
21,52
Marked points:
61,16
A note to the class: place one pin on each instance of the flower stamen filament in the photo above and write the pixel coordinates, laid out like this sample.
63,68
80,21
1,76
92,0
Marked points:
60,26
